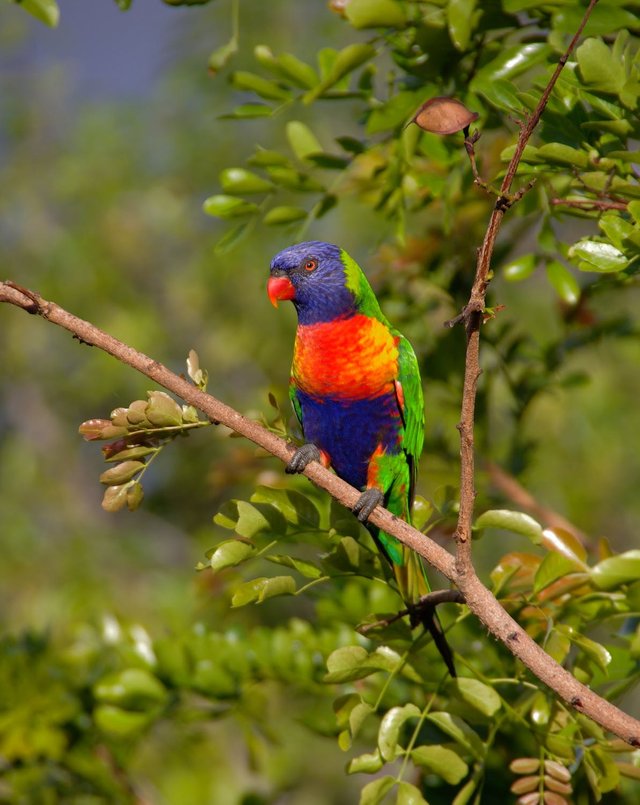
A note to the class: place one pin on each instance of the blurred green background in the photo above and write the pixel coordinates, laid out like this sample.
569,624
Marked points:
111,137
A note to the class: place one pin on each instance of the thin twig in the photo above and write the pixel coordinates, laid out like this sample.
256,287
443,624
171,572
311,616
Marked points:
479,599
429,601
472,317
589,204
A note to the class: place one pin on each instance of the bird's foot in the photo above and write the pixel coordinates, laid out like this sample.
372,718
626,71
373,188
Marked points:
366,503
303,456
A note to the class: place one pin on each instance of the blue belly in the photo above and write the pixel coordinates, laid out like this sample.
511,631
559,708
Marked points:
349,431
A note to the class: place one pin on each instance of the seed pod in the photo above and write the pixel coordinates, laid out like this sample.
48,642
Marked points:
557,770
524,765
525,784
444,116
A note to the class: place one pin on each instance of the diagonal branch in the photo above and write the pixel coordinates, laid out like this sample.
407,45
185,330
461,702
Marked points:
478,598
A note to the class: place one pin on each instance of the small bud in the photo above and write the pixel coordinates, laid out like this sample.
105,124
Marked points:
163,411
555,785
444,116
115,498
338,6
121,473
119,417
557,770
525,765
111,450
523,785
94,429
135,494
136,413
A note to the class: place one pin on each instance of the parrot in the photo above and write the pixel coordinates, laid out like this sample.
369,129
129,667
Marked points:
356,390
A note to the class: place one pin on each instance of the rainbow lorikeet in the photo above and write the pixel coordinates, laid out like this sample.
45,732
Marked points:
356,390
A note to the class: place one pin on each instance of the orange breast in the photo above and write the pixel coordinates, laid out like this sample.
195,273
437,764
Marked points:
349,358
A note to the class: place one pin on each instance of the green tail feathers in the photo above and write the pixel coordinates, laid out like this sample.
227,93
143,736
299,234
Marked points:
411,576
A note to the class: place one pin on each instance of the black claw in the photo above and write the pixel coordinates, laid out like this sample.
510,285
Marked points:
366,503
303,456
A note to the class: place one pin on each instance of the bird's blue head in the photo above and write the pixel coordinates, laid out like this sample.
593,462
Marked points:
313,276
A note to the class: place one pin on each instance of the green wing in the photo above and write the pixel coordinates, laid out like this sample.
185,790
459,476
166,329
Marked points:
412,406
295,401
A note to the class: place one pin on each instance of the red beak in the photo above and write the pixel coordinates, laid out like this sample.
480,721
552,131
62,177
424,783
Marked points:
280,288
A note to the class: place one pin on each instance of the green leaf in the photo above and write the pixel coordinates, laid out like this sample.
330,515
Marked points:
617,570
294,180
279,216
270,90
554,566
395,112
605,774
619,231
562,154
557,646
475,693
246,111
46,11
374,792
228,207
132,688
563,282
604,19
367,763
295,507
230,553
233,236
297,71
441,761
263,158
598,67
594,651
500,92
348,663
421,512
408,794
346,61
513,61
306,569
256,518
222,56
517,522
461,19
390,727
375,14
121,473
120,723
261,589
302,140
634,209
460,731
592,255
520,268
240,180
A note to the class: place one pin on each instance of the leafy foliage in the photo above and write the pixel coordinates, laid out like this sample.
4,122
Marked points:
297,646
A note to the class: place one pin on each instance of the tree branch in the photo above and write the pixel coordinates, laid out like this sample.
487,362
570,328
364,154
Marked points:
472,316
479,599
589,204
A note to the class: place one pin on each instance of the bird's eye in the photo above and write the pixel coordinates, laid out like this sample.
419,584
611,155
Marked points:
310,265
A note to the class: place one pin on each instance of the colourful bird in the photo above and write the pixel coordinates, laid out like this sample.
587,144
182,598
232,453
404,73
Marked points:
355,387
